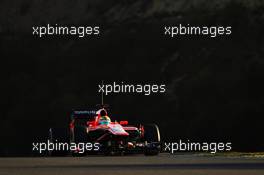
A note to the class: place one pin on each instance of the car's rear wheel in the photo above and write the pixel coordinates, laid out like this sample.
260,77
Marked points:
152,139
80,138
58,139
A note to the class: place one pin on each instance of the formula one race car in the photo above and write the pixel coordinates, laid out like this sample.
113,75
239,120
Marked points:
95,128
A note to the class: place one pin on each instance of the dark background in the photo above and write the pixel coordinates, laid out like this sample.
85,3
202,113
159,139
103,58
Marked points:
215,89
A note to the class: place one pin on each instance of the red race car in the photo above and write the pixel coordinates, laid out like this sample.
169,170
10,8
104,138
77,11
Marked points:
92,131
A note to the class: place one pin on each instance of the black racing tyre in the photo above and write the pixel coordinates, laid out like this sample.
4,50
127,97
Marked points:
57,136
80,134
151,133
80,137
152,138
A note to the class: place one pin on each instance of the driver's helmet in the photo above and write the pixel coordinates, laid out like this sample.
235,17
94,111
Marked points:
104,119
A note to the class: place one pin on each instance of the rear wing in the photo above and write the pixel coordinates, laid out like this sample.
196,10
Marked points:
83,114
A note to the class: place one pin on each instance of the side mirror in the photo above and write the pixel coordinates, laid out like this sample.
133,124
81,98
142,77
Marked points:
123,122
89,123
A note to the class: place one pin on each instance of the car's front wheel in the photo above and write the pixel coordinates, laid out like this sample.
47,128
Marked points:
152,139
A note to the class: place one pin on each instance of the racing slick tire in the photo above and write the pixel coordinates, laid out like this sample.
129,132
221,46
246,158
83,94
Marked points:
80,136
58,135
152,139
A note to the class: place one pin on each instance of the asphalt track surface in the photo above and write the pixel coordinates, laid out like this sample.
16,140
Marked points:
163,164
